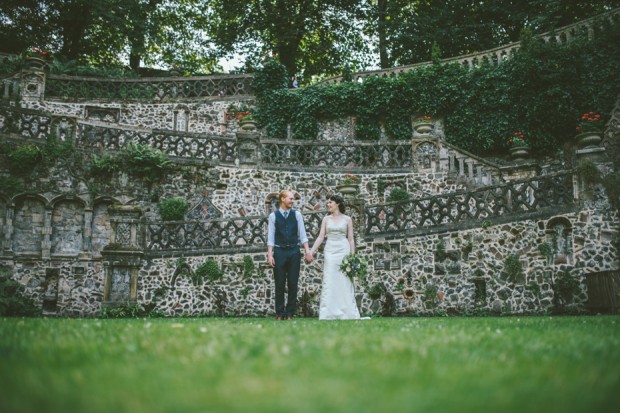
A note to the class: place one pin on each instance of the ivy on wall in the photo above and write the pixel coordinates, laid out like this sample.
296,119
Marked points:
541,91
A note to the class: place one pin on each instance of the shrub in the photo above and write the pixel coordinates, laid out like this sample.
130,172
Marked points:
104,166
209,270
566,285
12,300
172,209
588,172
545,249
513,268
430,295
10,185
131,310
611,183
398,194
146,162
440,251
248,266
376,291
24,158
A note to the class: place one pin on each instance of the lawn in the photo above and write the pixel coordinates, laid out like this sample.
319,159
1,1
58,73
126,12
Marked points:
526,364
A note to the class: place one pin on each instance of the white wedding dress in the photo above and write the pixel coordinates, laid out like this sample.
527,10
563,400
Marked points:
337,295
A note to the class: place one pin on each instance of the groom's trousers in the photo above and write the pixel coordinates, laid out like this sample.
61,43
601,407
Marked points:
286,271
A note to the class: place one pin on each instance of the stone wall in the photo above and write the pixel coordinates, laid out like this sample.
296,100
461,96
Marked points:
78,242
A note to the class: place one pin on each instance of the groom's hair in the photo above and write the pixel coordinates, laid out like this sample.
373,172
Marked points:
339,201
283,194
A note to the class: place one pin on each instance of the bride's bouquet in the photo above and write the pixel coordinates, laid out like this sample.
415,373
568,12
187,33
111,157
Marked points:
354,266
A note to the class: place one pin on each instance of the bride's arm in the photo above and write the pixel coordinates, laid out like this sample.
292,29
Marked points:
319,240
350,234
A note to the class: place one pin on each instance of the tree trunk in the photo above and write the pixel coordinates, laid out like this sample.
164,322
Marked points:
383,55
74,19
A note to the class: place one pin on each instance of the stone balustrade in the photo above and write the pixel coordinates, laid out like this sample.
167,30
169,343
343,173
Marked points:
150,89
496,55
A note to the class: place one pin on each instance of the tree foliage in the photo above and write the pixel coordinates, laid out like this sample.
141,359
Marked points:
134,32
406,30
309,37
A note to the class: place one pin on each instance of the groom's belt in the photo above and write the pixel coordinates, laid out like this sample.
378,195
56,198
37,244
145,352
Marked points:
288,246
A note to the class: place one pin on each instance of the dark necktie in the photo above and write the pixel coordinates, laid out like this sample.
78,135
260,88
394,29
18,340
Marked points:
285,213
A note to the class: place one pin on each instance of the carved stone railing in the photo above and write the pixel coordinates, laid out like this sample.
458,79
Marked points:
388,154
517,197
178,145
508,202
151,89
224,235
25,123
310,155
496,55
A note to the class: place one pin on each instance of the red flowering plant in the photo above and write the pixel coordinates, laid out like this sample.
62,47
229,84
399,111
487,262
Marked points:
588,122
350,180
240,113
34,52
423,119
517,139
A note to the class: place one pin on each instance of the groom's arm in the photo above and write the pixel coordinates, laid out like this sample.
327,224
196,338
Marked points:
303,237
271,235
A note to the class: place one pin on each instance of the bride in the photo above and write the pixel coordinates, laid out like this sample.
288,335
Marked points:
337,296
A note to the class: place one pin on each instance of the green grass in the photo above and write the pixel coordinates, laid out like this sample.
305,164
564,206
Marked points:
527,364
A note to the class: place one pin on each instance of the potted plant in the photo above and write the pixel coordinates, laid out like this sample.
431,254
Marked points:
36,58
349,184
423,125
588,129
518,146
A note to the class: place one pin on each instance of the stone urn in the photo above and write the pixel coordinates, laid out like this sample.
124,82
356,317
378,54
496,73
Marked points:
348,189
519,152
423,128
248,124
35,63
589,138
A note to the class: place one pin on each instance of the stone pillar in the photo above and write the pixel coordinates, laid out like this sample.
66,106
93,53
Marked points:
46,242
122,257
355,204
87,240
32,85
5,246
598,156
248,145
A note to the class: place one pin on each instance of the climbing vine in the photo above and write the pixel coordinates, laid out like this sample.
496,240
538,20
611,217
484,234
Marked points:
540,91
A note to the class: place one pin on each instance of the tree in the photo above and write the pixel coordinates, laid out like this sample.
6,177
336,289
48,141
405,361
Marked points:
309,37
110,31
406,30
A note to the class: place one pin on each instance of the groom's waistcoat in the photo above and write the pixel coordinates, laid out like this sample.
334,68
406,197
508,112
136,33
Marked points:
286,234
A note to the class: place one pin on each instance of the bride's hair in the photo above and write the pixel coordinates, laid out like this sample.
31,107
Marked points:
339,201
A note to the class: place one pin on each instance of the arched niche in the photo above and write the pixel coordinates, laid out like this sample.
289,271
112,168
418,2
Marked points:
67,226
101,227
28,224
559,234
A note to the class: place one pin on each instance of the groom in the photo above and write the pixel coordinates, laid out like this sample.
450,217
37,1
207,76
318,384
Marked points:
285,233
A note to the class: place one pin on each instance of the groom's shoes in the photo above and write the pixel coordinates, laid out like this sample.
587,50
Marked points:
289,318
279,318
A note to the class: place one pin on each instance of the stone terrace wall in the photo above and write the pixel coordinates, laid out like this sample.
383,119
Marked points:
77,243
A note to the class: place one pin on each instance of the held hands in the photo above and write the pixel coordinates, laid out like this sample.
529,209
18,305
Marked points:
309,257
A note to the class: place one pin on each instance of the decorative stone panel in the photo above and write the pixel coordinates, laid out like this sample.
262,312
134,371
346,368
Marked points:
28,225
67,228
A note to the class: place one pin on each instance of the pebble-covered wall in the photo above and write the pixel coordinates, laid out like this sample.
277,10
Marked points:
77,243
